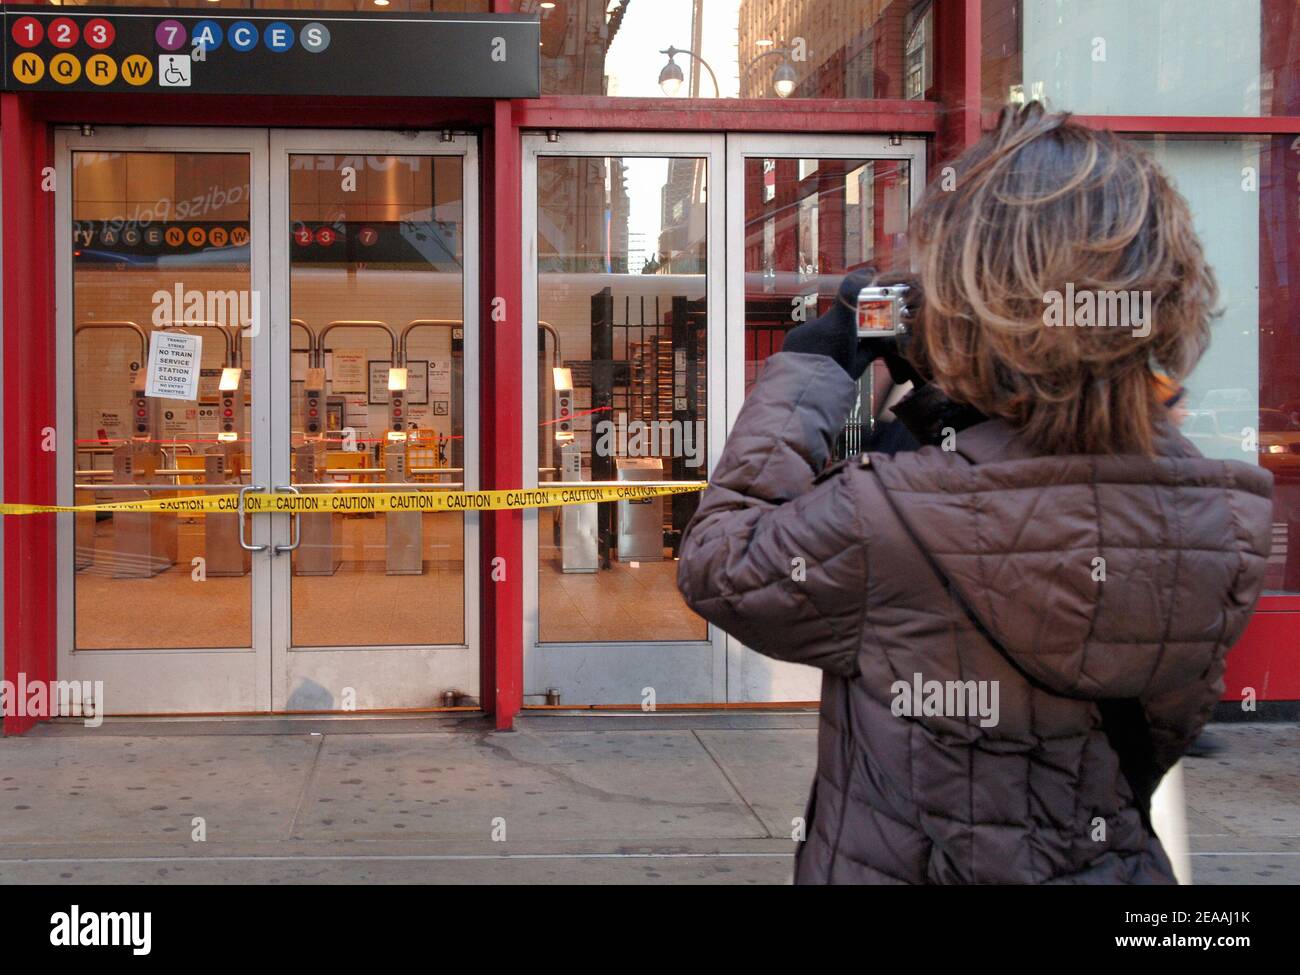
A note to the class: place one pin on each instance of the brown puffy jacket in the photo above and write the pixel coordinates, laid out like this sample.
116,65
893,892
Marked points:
1111,667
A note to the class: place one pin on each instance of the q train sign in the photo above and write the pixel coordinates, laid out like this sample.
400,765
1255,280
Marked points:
258,52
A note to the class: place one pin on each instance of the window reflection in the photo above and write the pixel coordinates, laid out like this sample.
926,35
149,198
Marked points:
1243,399
737,48
1151,58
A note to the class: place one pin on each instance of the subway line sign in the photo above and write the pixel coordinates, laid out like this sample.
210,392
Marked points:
259,52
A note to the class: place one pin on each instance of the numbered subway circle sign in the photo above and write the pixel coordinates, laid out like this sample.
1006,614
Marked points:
99,34
242,36
170,35
64,33
278,37
28,31
315,37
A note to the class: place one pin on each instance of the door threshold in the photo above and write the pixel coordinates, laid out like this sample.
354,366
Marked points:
187,725
714,708
378,713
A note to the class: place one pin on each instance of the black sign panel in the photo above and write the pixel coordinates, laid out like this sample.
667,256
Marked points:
261,52
202,243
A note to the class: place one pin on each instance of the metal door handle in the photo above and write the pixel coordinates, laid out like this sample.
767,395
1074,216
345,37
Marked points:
297,524
243,520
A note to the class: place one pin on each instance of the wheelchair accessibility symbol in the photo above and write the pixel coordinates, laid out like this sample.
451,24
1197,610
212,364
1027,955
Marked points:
174,70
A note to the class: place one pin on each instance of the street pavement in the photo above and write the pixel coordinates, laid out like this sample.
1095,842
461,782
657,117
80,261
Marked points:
670,798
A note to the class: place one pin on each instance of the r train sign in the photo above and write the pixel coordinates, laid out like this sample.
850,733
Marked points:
258,52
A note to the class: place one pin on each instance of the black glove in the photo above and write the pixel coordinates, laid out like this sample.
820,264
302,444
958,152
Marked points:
835,334
926,412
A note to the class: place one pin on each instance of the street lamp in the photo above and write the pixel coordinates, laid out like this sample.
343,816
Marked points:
784,78
671,77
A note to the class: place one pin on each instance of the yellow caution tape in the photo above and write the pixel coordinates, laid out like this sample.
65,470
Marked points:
351,502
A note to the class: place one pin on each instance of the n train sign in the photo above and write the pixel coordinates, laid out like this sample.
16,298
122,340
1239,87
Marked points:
260,52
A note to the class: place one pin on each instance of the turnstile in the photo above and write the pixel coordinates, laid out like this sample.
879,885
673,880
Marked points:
144,543
577,521
404,530
320,551
223,554
640,521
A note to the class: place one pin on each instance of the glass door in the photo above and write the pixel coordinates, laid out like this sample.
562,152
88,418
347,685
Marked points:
623,238
374,357
802,211
161,240
330,326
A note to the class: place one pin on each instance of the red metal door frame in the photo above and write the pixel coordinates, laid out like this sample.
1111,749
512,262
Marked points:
29,341
29,400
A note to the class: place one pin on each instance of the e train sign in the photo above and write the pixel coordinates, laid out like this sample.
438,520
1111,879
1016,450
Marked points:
258,52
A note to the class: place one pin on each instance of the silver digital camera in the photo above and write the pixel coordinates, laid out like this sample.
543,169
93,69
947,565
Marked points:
880,311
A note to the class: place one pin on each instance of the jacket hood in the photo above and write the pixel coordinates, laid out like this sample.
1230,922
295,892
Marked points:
1073,563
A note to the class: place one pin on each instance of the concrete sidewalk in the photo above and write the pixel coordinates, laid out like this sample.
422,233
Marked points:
667,798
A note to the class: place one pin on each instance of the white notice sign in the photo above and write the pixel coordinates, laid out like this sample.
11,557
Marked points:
173,365
350,372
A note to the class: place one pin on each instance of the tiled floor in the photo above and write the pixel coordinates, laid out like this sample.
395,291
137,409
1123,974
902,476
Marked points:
626,602
361,605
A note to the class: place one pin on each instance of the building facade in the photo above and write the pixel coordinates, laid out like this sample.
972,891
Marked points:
388,249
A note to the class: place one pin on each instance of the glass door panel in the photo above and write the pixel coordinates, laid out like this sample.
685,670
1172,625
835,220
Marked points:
802,212
624,385
376,293
375,338
623,374
160,243
161,239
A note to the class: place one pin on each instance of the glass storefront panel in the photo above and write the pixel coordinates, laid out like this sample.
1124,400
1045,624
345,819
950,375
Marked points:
745,48
1243,400
376,246
623,392
808,222
1158,57
160,244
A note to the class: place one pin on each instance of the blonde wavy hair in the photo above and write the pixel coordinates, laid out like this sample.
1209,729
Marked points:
1038,205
